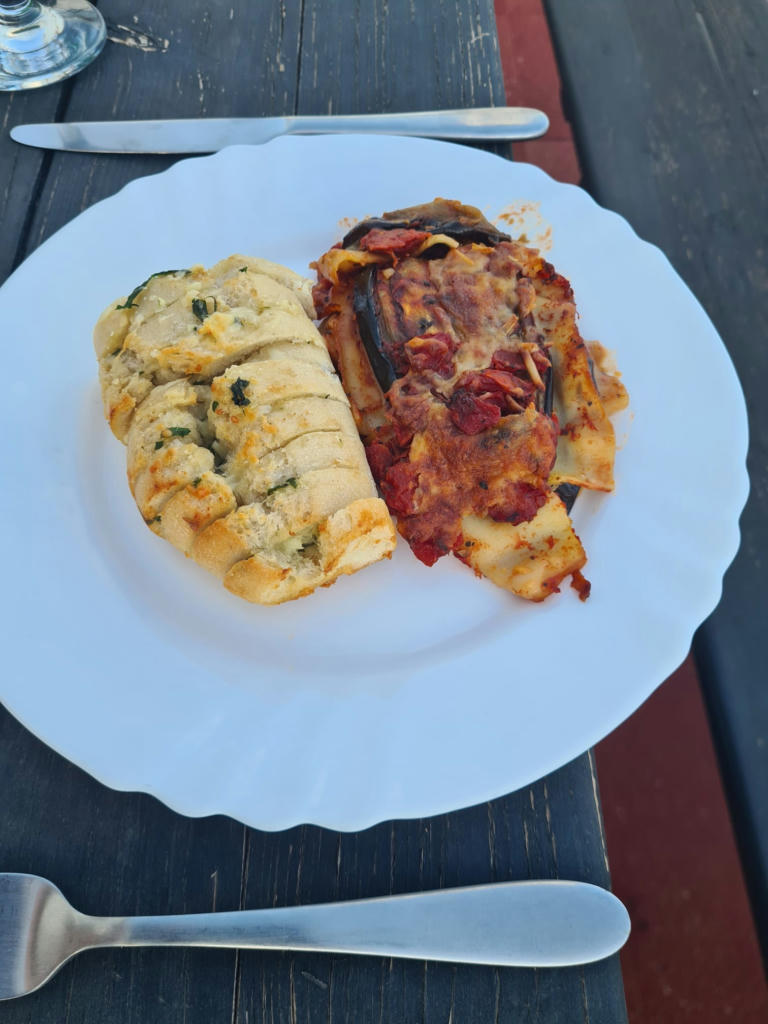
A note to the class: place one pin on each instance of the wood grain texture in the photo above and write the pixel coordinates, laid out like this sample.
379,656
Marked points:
220,60
528,834
686,893
391,55
118,853
23,171
678,143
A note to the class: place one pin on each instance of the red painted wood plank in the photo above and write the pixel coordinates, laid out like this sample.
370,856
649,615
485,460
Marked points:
531,79
693,954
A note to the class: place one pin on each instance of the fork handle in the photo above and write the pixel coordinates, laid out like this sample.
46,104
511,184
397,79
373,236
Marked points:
525,924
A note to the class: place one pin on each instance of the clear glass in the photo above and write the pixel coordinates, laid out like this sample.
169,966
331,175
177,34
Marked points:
41,43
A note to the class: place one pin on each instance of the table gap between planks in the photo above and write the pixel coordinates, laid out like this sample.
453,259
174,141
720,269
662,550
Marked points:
120,853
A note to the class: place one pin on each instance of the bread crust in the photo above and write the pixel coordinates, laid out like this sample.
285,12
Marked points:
241,446
347,541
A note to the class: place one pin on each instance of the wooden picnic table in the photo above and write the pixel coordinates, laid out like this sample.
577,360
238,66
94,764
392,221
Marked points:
123,853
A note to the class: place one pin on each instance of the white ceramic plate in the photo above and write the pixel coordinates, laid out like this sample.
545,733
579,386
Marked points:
402,691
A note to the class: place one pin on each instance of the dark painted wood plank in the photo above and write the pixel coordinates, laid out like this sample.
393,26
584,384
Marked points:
22,170
399,55
679,144
117,854
202,60
545,831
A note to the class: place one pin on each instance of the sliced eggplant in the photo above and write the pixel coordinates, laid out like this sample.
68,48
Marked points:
568,494
370,327
441,217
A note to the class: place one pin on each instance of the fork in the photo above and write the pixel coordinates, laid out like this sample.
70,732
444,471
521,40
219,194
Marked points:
525,924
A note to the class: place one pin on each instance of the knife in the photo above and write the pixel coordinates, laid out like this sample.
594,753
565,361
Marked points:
206,135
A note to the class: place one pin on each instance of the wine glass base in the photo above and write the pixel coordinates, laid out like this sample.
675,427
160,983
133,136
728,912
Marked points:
49,44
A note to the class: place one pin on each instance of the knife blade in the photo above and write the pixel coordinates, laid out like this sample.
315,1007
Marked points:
207,135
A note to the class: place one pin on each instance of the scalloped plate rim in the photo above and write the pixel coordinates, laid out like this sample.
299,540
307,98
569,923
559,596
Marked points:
118,777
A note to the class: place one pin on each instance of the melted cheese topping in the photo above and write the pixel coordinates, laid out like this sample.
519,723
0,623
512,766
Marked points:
462,444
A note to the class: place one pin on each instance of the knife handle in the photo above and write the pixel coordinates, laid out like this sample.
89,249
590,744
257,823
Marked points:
502,124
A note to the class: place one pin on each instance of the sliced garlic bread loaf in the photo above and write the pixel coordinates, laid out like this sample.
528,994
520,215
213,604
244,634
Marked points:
241,446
